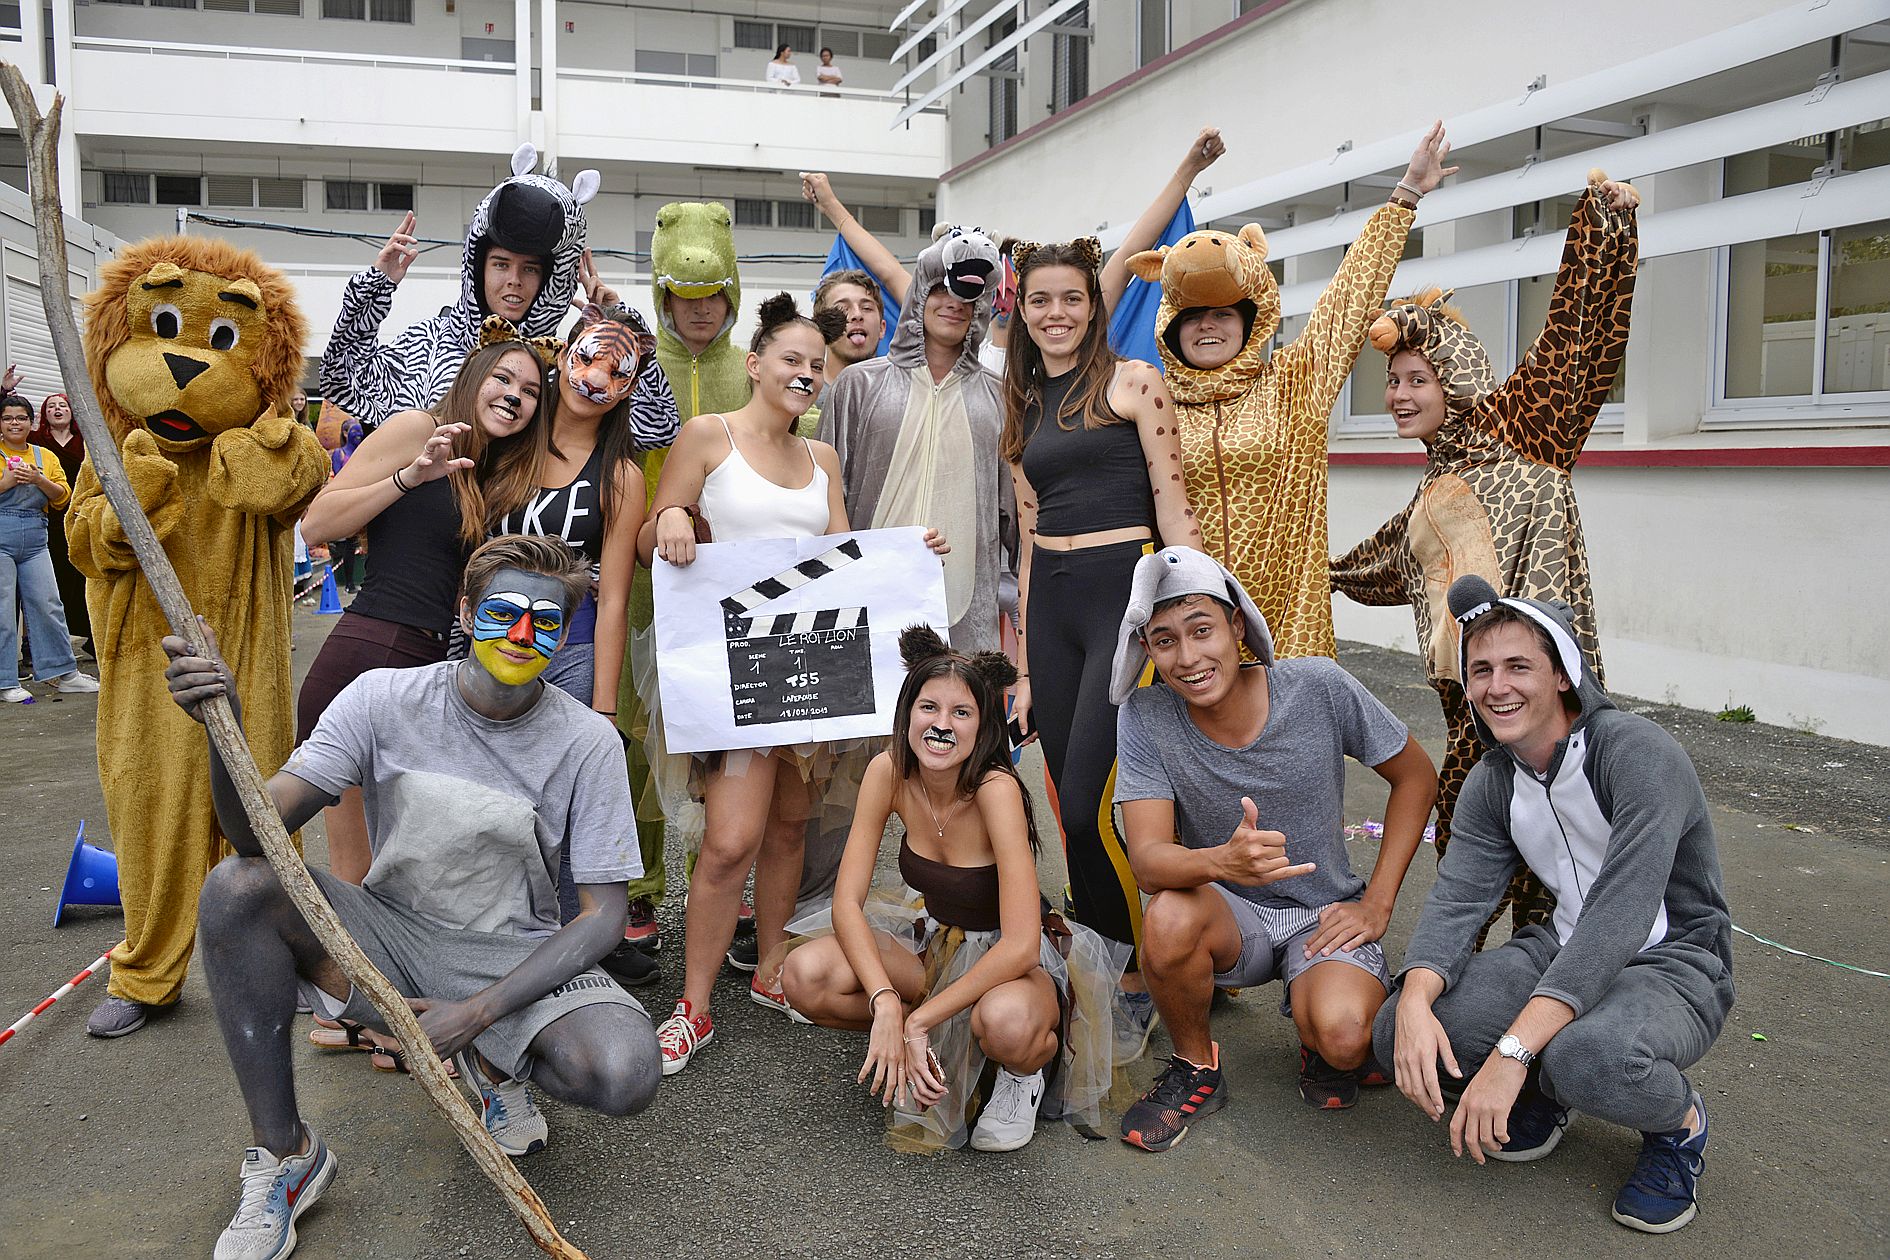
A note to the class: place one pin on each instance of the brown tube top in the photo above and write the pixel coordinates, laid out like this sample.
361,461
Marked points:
957,896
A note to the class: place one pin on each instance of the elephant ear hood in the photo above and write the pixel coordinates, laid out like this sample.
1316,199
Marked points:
1210,268
966,262
528,214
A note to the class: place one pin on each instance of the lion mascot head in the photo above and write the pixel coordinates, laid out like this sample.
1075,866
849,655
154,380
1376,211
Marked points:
190,336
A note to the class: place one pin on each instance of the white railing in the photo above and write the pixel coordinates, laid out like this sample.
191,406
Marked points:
242,52
737,85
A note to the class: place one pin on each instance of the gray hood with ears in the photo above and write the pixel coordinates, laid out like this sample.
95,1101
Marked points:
966,262
1472,596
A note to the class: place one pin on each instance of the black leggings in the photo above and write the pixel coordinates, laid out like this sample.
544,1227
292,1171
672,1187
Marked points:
1075,613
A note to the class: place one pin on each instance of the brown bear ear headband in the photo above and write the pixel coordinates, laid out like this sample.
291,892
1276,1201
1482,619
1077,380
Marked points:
1087,247
919,644
497,328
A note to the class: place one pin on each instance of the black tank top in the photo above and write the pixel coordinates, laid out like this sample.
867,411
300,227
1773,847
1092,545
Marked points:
572,512
415,560
957,896
1086,480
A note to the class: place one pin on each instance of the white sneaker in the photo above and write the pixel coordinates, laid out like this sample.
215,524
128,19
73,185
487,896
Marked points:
1009,1119
275,1192
510,1115
75,683
16,695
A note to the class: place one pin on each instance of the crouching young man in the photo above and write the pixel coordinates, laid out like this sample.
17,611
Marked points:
476,775
1231,781
1602,1009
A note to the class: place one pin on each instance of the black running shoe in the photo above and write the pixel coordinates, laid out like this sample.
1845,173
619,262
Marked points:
630,966
1322,1085
744,954
1180,1095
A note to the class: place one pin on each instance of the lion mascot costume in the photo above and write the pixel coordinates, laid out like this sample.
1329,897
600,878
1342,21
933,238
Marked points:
193,347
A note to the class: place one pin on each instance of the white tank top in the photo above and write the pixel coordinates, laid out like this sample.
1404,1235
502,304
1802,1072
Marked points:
742,505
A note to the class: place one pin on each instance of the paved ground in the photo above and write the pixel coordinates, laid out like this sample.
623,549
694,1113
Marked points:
766,1148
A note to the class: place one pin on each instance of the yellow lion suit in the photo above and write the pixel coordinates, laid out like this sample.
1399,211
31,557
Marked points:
193,347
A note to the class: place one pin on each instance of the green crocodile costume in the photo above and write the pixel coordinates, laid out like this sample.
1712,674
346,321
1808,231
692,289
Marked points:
692,255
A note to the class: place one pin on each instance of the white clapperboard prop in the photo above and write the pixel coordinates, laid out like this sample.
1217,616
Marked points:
786,641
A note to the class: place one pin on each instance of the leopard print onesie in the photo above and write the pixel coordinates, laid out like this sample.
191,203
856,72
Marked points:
1496,496
1253,431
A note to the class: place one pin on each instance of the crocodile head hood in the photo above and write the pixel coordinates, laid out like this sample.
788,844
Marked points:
1212,268
1472,596
692,254
966,263
529,214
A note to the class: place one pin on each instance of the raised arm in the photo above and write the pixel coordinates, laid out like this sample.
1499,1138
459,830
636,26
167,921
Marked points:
1203,151
358,373
1336,329
1549,403
885,266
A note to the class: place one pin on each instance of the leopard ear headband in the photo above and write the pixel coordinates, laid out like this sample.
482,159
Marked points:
496,329
1088,247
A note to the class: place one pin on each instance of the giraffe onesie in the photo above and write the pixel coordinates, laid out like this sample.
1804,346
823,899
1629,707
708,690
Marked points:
1253,431
1496,496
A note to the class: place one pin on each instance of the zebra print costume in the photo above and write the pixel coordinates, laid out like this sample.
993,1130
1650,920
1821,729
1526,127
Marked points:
371,381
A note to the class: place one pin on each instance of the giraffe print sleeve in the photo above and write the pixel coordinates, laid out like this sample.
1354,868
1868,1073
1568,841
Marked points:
1335,330
1376,572
1548,405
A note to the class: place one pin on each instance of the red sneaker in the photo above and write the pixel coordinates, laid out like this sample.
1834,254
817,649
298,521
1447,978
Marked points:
641,930
681,1035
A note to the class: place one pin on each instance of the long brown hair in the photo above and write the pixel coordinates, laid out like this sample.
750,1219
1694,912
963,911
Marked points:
505,471
1024,374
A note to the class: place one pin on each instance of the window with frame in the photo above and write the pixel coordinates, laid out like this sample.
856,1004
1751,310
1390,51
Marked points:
754,35
796,214
845,43
1807,316
878,45
178,190
1002,85
399,11
361,194
127,188
754,212
267,8
1151,30
887,220
928,220
1069,59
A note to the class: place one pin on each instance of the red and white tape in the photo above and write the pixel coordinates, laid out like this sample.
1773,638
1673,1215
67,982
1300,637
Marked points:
58,993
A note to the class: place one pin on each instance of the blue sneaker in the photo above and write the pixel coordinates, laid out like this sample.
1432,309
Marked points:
1536,1125
275,1192
1662,1193
1134,1019
510,1115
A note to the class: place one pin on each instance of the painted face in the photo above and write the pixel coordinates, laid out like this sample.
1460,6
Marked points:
1413,395
866,324
600,368
15,424
944,723
1195,646
1210,336
1057,309
512,282
1516,690
947,318
698,320
57,409
791,369
517,624
508,399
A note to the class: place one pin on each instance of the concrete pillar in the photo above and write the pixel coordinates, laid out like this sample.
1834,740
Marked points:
69,190
522,65
548,80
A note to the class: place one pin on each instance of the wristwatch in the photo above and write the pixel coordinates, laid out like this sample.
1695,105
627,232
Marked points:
1511,1047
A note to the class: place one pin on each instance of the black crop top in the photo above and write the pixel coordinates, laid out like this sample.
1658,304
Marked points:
1085,480
957,896
415,560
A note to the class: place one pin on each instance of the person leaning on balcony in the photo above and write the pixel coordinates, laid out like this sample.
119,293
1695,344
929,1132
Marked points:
782,69
829,74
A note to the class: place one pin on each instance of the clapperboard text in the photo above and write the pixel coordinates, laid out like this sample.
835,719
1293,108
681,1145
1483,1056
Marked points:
793,666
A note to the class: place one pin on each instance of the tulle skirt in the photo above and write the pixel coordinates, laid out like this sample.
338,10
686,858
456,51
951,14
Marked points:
1084,967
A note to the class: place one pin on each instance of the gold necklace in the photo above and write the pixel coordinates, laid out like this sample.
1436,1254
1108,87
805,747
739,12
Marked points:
937,826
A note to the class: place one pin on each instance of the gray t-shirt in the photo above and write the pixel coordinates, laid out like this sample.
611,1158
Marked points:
466,815
1318,715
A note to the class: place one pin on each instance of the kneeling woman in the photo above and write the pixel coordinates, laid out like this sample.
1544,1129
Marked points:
980,975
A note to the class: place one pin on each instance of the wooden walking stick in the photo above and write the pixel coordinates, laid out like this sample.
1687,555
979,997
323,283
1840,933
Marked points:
41,138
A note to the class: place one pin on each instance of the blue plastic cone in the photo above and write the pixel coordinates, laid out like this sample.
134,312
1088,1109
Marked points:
91,877
331,598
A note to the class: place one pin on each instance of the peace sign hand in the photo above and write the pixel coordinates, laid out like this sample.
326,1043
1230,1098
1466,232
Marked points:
591,290
399,252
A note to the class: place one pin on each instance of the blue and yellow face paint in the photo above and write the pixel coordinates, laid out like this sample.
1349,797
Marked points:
514,635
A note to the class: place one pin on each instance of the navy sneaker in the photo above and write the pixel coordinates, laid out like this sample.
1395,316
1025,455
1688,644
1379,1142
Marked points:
1183,1093
275,1192
1662,1193
1134,1018
1536,1125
